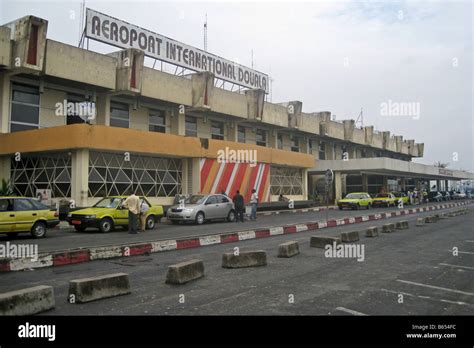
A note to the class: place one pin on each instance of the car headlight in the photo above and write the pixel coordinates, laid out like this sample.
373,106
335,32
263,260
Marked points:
188,210
90,216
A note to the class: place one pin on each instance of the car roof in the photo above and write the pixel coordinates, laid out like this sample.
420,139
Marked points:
358,193
13,197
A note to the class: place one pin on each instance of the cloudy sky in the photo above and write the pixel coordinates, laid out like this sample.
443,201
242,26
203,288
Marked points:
337,56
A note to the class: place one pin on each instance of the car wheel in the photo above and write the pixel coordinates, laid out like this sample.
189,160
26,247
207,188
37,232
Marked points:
150,222
200,218
106,225
368,206
38,230
231,216
80,228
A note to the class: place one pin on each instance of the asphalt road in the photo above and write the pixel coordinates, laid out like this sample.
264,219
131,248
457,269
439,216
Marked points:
70,238
417,263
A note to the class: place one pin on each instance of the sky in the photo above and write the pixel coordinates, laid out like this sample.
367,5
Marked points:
338,56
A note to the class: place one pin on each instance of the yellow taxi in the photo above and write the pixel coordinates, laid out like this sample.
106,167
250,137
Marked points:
23,214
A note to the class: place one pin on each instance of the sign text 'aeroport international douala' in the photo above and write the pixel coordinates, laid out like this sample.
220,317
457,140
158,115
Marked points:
116,32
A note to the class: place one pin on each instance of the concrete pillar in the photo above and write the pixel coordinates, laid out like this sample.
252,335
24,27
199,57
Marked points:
337,185
446,185
330,151
365,183
178,121
196,173
232,131
80,177
304,145
438,185
5,168
272,139
4,102
402,184
305,184
385,183
103,109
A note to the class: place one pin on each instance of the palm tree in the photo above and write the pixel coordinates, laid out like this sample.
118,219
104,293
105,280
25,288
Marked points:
440,164
6,189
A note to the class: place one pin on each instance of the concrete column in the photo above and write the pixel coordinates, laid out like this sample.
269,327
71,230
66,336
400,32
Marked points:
446,185
329,151
438,185
80,177
304,145
337,185
178,121
5,168
272,139
196,172
4,102
103,109
385,184
402,184
305,184
232,131
365,183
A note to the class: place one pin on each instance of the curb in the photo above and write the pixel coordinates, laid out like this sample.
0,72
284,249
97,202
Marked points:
80,255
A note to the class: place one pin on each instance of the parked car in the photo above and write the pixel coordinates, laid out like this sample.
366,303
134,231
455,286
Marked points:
446,195
108,213
384,200
434,196
458,195
22,214
401,196
355,200
200,208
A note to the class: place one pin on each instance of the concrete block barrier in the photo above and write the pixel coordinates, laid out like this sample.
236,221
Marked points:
388,228
401,225
27,301
96,288
347,237
322,241
184,272
436,217
443,216
288,249
420,222
244,259
372,232
429,219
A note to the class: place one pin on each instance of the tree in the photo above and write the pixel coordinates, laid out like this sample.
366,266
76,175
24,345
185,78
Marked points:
440,164
6,189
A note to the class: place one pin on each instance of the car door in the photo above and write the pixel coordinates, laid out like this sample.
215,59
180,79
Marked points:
224,206
210,207
121,214
7,216
25,214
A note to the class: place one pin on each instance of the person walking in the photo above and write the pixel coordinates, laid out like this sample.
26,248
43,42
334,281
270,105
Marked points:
144,207
253,203
132,204
239,206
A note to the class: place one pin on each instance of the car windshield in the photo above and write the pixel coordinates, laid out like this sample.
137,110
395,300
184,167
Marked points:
195,199
108,203
353,196
382,195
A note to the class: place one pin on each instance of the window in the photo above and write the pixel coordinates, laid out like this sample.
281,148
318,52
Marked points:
119,115
23,205
211,200
322,150
25,106
363,153
280,141
217,130
310,146
157,121
241,134
82,107
261,137
38,205
5,205
191,126
222,199
295,144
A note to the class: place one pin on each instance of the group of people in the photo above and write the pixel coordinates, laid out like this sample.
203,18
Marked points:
136,213
417,196
239,204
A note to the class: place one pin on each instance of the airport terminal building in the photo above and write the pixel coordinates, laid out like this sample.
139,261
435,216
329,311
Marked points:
162,134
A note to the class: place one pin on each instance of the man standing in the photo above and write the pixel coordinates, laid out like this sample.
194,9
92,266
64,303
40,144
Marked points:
239,206
132,203
144,207
254,202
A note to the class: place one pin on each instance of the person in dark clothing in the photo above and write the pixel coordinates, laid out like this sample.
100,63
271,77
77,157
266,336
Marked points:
239,206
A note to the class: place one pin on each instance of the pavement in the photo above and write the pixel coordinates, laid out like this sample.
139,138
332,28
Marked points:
407,272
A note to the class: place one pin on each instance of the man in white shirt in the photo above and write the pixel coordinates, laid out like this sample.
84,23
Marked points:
132,203
253,203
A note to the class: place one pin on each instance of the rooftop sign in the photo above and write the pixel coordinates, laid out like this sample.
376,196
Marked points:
121,34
